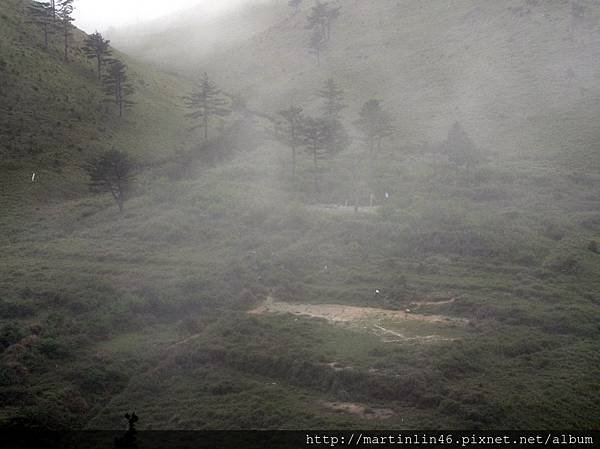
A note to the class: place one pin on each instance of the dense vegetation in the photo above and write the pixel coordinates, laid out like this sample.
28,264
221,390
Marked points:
102,312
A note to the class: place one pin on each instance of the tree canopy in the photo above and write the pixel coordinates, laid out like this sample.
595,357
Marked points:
111,172
206,102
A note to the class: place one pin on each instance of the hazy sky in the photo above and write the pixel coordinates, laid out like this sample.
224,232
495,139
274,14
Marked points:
99,15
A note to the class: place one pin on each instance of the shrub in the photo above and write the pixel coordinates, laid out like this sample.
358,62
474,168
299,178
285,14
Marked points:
565,265
9,335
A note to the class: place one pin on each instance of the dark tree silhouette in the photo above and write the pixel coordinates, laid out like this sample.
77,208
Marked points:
337,139
206,102
129,440
290,135
460,148
319,21
98,48
42,15
64,11
321,18
333,99
317,44
111,172
53,9
315,137
295,4
116,84
375,125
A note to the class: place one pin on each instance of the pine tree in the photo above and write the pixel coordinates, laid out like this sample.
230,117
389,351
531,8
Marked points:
206,102
64,11
460,148
375,124
315,135
96,47
291,134
42,15
333,99
336,137
317,44
53,9
295,4
321,18
116,84
111,172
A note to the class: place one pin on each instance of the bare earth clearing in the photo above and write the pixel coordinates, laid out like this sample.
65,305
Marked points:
390,325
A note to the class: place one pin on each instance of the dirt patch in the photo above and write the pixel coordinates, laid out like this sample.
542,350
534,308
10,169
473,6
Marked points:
343,209
359,410
341,313
390,325
430,302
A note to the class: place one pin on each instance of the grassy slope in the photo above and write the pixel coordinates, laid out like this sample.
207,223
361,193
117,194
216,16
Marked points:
114,295
53,114
520,78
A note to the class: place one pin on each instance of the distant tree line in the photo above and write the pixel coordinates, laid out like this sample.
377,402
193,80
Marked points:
112,171
324,136
56,17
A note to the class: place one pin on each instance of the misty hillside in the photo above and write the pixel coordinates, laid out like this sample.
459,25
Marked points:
160,41
55,115
521,76
443,274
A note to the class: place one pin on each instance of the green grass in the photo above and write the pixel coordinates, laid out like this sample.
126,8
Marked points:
102,313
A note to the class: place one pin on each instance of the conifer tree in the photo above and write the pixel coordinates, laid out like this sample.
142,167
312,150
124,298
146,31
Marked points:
375,124
321,18
317,44
42,15
315,135
111,172
206,102
291,134
295,4
116,84
333,99
64,11
98,48
460,148
53,9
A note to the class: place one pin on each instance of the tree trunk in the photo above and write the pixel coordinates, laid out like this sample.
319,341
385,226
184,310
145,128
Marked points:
119,96
66,31
205,127
317,190
294,162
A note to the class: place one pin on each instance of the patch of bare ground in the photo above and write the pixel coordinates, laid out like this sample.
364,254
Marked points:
342,313
432,302
338,209
359,410
369,318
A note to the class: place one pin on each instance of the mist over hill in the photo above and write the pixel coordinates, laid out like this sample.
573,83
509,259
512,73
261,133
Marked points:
173,41
522,77
348,214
